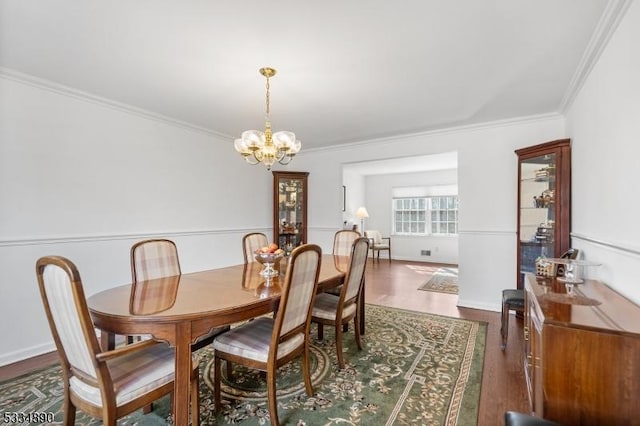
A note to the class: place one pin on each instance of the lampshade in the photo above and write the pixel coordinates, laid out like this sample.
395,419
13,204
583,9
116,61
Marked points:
361,213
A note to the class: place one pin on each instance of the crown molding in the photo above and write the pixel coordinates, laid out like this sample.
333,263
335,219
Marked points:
611,17
444,130
60,89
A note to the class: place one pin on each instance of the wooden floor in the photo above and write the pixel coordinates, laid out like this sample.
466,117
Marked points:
395,284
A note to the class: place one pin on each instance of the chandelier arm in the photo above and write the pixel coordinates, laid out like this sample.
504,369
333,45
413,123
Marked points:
249,160
285,160
258,156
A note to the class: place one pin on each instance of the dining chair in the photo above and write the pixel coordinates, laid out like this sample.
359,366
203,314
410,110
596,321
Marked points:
266,343
251,243
329,309
342,244
158,258
105,384
378,243
513,299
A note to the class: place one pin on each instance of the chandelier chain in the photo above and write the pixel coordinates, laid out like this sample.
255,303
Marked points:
267,95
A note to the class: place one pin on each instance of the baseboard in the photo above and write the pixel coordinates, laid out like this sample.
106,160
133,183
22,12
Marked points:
422,259
495,307
24,354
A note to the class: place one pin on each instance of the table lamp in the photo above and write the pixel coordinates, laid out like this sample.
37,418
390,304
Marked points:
361,213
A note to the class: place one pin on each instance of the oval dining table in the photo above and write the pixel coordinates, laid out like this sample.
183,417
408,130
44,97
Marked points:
180,309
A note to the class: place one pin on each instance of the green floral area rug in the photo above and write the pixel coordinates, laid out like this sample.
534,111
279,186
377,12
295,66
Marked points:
415,368
444,280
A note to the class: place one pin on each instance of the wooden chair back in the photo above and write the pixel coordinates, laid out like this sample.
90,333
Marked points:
296,298
343,240
69,319
155,258
252,242
355,275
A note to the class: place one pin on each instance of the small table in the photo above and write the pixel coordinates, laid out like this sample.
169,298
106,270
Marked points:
182,308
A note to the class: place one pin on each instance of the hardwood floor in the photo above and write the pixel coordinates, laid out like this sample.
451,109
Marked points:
395,284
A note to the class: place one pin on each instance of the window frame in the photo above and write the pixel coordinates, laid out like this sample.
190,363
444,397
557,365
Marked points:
428,221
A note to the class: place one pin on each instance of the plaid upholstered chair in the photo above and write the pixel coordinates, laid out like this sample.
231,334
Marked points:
107,384
267,343
252,242
158,258
339,310
343,240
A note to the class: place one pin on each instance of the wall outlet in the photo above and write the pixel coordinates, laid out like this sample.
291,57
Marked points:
425,252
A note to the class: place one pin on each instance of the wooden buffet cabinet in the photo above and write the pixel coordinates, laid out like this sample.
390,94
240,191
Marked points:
582,353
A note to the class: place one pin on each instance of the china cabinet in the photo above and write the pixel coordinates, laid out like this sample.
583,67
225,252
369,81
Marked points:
544,204
290,209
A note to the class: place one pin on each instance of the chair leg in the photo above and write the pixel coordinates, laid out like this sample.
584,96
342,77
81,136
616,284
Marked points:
229,369
320,331
69,410
306,370
504,326
356,322
217,380
195,400
271,396
339,345
389,255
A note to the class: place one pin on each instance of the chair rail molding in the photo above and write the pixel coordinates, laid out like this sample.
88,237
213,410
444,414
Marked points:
608,244
60,239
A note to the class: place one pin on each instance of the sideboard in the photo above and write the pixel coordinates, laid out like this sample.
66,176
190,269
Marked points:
582,353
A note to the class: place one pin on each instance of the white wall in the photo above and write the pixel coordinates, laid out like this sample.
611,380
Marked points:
354,189
604,125
84,178
487,259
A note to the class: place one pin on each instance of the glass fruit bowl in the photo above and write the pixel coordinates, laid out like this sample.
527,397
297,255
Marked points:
269,259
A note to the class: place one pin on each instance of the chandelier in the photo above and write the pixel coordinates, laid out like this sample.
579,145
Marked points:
266,147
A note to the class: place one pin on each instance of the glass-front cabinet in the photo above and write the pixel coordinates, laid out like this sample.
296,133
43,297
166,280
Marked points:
290,209
544,203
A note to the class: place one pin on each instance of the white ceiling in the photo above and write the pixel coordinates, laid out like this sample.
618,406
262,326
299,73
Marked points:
347,70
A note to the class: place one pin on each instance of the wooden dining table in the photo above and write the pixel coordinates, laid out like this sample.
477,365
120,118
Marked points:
180,309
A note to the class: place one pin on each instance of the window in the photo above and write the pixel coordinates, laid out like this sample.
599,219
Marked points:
444,215
425,215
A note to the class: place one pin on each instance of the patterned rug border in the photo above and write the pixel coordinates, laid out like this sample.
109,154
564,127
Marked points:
432,283
470,401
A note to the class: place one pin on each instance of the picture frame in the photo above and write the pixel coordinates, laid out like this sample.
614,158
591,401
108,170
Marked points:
344,198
